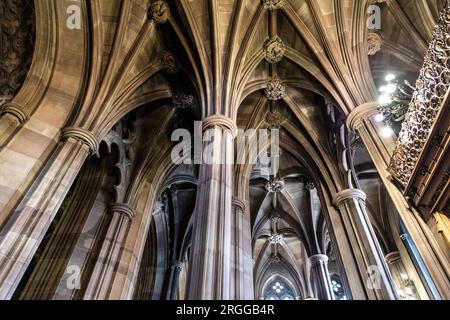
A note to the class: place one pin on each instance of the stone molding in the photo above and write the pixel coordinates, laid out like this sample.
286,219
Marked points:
239,204
363,112
221,121
122,208
318,258
392,257
83,136
14,111
348,194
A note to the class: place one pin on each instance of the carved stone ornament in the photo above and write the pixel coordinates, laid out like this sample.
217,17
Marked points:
310,185
276,239
274,49
183,101
159,11
275,120
275,90
274,258
273,4
168,62
374,42
431,89
274,185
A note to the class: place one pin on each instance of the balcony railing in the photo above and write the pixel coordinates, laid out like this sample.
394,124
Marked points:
428,102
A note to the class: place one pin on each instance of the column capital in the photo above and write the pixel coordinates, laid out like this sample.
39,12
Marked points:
122,208
239,204
348,194
318,258
359,114
15,112
222,121
81,135
392,257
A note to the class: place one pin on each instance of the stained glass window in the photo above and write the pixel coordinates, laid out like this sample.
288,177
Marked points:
338,288
279,290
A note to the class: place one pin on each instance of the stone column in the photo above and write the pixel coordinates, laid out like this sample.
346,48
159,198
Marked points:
320,277
361,120
210,267
371,264
405,286
101,278
242,243
29,222
176,267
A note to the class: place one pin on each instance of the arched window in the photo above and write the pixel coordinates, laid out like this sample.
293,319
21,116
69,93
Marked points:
279,290
338,288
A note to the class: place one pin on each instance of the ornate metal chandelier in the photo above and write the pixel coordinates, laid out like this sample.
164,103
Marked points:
394,101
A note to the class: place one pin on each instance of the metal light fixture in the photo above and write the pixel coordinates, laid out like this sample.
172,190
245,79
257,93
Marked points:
393,103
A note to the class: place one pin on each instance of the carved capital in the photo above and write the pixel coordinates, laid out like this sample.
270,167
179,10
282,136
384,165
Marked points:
15,112
348,194
275,90
363,112
374,42
220,121
274,49
81,135
168,62
159,11
273,4
122,208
